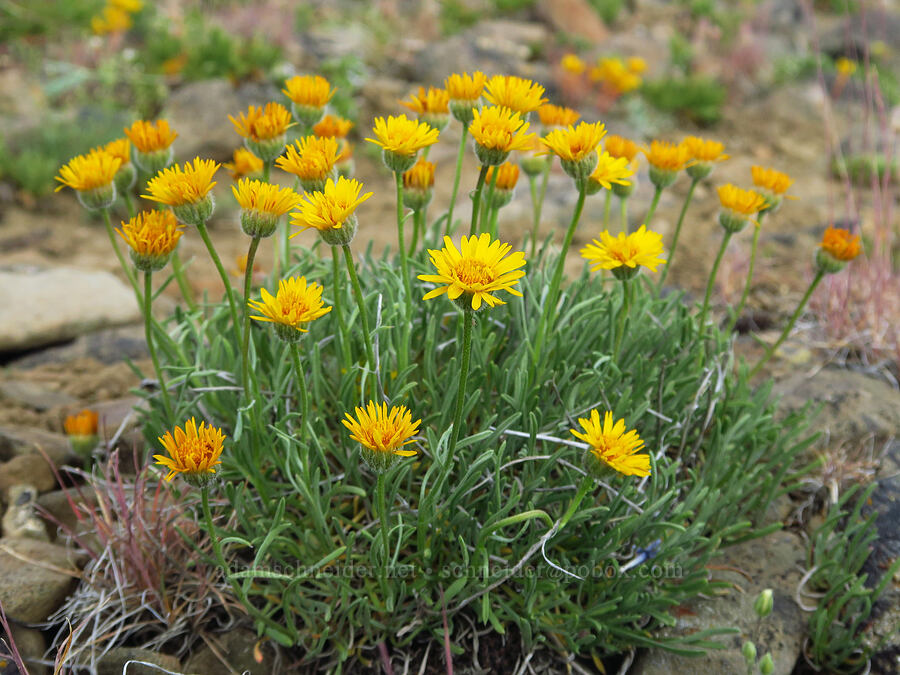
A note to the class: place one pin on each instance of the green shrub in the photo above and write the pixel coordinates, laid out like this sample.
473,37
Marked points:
695,97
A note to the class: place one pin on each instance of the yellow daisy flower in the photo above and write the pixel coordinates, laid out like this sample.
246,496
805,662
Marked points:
111,20
294,305
475,272
611,446
91,176
615,76
771,180
243,163
420,176
738,205
332,126
400,139
192,451
516,93
308,90
312,160
625,253
262,205
557,115
572,63
151,237
264,129
704,152
636,65
576,147
126,175
609,171
666,160
617,146
497,132
432,106
507,176
382,433
465,92
84,423
186,190
331,211
841,244
152,144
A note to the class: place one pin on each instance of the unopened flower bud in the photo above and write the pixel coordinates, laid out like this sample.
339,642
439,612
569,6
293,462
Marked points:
763,604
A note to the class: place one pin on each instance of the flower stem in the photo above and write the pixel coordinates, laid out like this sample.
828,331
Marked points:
357,291
151,347
712,277
553,291
623,213
820,274
204,234
301,383
684,208
586,483
653,205
383,517
342,326
468,319
476,201
129,272
623,314
535,213
181,280
245,345
746,293
129,203
448,227
403,352
607,203
492,227
488,204
418,225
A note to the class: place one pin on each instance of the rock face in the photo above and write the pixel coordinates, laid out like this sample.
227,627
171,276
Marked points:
43,306
33,395
771,562
20,519
26,470
113,662
16,441
106,346
35,578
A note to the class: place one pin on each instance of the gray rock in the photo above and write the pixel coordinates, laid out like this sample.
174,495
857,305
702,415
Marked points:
26,470
16,441
35,578
771,562
854,406
108,346
33,395
576,18
44,306
20,518
199,112
236,648
113,662
31,645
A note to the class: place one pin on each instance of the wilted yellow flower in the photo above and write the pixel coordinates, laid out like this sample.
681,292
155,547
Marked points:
557,115
308,90
576,147
312,160
192,451
625,253
611,446
572,63
472,274
185,190
151,136
151,237
294,305
263,204
841,244
617,146
92,176
332,126
382,433
84,423
401,138
244,163
610,171
497,132
331,211
516,93
507,176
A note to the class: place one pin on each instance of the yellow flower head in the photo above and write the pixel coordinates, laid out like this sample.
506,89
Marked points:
615,76
192,451
572,63
497,132
130,6
120,148
668,156
420,176
313,91
516,93
332,126
254,195
402,136
744,202
612,446
625,253
294,305
465,87
331,211
611,170
243,163
771,180
112,20
507,176
151,236
432,101
84,423
636,65
573,144
704,150
477,270
178,186
263,123
311,159
86,173
557,115
845,67
383,433
840,244
151,137
618,146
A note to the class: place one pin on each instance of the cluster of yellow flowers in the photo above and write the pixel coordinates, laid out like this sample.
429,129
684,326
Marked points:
116,16
614,75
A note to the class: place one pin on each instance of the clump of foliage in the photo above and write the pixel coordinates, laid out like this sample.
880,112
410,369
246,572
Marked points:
696,97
